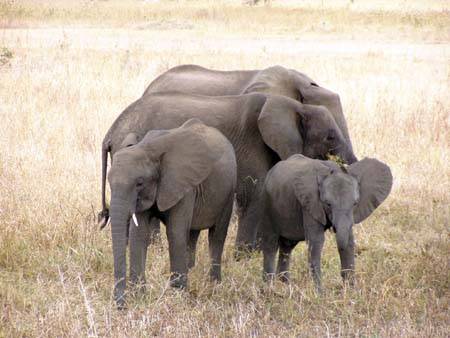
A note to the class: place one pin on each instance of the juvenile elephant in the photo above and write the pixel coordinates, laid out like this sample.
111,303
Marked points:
185,177
305,197
276,80
262,129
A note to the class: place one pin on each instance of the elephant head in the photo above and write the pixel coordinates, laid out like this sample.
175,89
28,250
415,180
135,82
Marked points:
342,196
278,80
289,127
156,172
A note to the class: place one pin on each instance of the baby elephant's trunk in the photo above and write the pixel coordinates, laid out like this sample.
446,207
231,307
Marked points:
119,223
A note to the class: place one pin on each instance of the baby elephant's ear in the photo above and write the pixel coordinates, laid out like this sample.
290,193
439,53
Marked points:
191,153
375,183
306,188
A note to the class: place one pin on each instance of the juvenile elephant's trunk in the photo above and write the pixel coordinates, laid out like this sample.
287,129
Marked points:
343,225
342,236
119,223
345,243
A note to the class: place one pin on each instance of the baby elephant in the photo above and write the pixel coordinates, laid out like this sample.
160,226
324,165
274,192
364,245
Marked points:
186,177
305,197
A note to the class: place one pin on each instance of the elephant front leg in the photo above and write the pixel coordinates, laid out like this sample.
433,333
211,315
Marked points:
177,229
347,256
139,241
192,245
315,238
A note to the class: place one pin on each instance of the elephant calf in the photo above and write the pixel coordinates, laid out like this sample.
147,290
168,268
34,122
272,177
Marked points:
304,197
186,177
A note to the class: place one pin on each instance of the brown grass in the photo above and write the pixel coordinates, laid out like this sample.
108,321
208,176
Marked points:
63,87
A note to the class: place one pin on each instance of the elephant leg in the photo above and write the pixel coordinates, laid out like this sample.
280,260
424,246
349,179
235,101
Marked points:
216,240
316,237
284,257
270,244
192,245
139,241
249,219
177,229
154,228
347,256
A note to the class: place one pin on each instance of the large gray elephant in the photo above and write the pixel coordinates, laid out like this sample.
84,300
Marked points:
277,80
304,197
262,129
185,177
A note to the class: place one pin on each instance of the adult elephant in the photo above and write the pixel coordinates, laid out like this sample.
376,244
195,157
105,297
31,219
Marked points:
262,129
192,79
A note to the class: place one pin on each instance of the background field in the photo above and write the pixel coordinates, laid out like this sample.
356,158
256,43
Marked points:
67,69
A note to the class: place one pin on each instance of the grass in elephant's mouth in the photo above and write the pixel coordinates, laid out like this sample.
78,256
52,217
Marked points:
59,96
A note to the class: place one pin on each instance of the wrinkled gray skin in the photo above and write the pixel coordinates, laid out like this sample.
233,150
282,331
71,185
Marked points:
305,197
192,79
262,129
185,177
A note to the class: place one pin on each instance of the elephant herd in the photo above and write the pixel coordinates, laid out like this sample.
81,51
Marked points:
200,139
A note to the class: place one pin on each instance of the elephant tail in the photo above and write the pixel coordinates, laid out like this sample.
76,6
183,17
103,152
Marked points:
103,216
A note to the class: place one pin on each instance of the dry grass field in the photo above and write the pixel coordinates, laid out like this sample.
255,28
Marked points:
67,69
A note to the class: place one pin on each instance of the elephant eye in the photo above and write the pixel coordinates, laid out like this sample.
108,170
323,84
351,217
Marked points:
139,182
330,138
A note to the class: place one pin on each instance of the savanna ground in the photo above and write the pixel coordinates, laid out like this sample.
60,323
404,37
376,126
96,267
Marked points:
67,69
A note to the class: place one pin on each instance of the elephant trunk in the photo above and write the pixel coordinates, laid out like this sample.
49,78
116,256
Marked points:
342,236
349,157
343,226
119,224
346,153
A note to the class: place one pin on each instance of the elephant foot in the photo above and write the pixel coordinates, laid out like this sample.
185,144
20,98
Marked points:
215,273
138,288
268,277
284,277
348,277
120,302
178,281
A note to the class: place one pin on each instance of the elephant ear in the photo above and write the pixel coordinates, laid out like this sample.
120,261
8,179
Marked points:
130,140
306,187
274,80
279,125
375,183
190,153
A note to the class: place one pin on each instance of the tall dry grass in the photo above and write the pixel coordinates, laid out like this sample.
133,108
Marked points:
58,97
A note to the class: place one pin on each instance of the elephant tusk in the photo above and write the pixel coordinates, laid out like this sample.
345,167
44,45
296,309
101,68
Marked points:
109,221
135,220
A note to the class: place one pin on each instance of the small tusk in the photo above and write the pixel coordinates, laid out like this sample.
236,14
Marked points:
109,221
135,220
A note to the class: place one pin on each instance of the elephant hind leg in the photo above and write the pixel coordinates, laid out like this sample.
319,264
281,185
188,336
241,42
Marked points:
155,230
216,238
192,245
284,257
270,245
